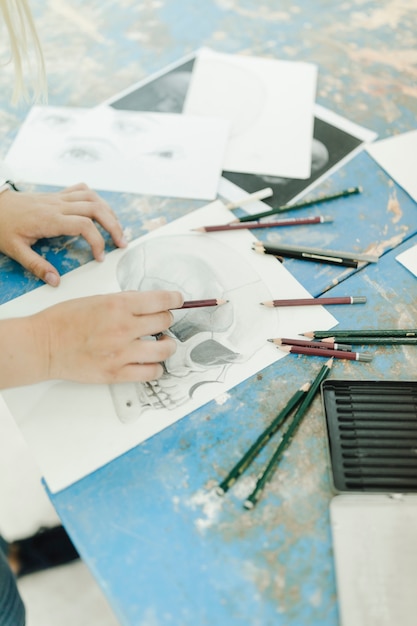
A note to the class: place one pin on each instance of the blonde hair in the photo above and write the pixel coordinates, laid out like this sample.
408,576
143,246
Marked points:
23,41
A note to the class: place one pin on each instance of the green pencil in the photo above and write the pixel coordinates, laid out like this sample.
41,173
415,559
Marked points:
288,436
381,341
300,205
362,332
261,441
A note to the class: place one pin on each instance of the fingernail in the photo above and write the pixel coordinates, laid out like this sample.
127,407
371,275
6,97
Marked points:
123,242
101,257
52,279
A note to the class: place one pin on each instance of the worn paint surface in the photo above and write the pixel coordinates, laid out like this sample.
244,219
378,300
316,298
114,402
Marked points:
165,548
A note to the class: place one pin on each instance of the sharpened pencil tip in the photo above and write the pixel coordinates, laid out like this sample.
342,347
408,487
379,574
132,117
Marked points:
220,491
329,363
309,334
284,348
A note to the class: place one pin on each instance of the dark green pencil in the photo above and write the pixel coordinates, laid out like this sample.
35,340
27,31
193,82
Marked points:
300,205
362,332
262,440
288,436
381,341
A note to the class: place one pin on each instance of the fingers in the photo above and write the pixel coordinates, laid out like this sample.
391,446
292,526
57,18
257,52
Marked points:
75,225
148,351
83,201
37,265
150,302
138,373
151,355
144,361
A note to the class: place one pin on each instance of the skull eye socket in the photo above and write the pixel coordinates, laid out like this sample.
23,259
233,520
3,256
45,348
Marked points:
210,352
209,321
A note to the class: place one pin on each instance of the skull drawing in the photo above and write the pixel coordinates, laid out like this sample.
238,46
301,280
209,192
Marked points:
209,339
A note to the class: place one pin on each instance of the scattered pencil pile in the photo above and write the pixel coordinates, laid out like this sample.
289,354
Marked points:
320,348
280,251
302,399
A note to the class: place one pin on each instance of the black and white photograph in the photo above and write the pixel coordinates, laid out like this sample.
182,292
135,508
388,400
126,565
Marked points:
335,138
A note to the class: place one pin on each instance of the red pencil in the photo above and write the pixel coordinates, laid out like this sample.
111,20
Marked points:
324,345
294,221
193,304
312,301
337,354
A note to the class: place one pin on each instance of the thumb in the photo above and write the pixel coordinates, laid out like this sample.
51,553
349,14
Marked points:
37,265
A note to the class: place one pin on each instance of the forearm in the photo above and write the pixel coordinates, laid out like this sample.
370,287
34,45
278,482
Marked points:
22,355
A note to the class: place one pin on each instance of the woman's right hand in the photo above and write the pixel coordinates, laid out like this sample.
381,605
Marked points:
95,339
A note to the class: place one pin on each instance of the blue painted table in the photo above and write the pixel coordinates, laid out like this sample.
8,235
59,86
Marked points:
164,548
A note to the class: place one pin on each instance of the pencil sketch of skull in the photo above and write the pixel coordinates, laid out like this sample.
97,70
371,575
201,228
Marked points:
210,339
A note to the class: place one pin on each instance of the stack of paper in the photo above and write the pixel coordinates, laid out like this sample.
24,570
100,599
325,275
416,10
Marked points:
242,114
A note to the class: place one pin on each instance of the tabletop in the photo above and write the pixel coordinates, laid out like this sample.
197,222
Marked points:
164,547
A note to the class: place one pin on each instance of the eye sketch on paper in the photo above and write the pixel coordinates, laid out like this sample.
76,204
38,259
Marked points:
154,153
209,340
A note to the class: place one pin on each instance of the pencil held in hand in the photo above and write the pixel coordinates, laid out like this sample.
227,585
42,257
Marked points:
194,304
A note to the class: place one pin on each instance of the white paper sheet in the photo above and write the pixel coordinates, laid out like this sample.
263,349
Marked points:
408,258
397,155
74,429
163,154
270,105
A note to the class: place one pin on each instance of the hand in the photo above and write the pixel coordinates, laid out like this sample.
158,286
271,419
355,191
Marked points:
95,339
26,217
104,339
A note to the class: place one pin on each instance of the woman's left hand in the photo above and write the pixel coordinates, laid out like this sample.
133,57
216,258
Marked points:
26,217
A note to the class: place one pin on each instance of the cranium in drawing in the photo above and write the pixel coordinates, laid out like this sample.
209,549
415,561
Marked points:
209,339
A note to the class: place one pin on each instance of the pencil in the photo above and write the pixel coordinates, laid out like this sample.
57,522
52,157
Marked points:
337,354
193,304
306,256
291,221
257,195
282,248
381,341
313,301
301,205
363,332
324,345
262,440
288,436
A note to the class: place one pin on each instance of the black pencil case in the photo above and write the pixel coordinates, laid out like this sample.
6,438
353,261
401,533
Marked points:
372,434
